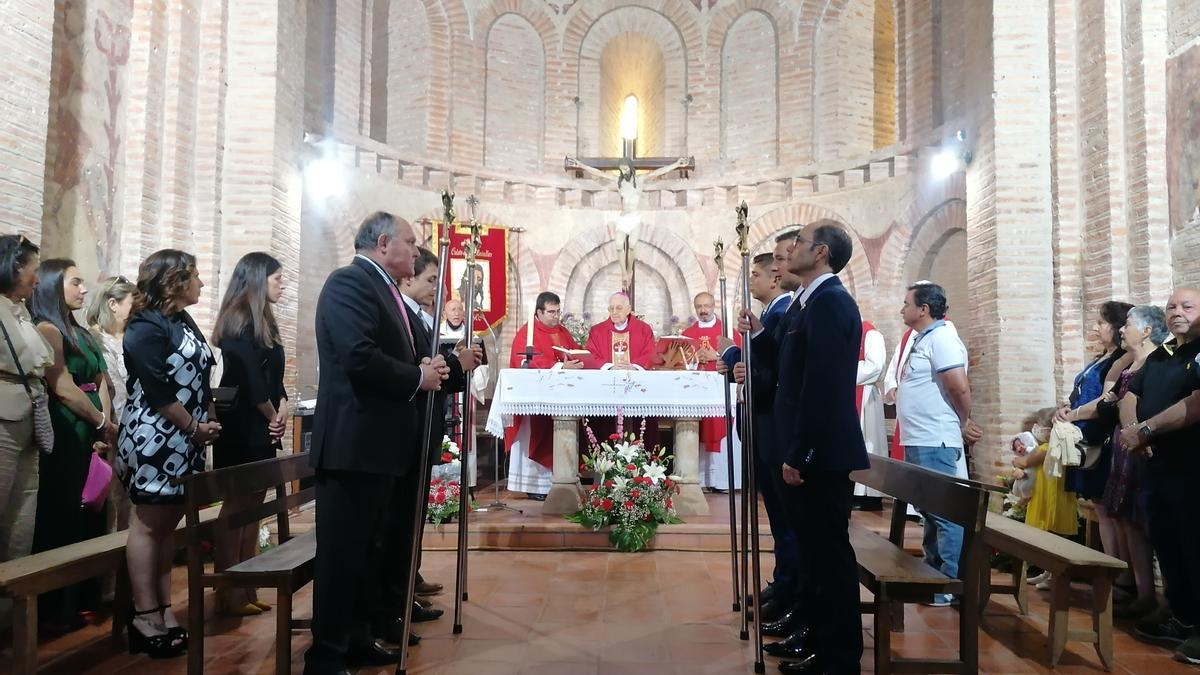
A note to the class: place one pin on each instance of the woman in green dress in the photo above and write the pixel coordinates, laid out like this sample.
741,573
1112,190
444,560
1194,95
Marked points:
81,412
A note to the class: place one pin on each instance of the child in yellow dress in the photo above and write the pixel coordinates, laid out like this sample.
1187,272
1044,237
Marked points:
1051,507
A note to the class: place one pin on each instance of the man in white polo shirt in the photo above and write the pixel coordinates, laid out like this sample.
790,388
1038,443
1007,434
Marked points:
934,409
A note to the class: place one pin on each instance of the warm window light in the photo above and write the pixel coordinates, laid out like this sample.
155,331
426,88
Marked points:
629,118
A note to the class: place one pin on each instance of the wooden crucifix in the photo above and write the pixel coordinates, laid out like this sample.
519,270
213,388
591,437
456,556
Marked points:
626,180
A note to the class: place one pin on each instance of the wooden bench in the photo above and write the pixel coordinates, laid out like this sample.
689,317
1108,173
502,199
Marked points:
286,567
896,577
27,577
1065,559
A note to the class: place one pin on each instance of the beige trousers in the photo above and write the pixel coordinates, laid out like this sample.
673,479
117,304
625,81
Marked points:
18,495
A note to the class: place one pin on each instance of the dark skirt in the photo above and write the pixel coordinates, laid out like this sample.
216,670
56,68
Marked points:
1089,483
232,453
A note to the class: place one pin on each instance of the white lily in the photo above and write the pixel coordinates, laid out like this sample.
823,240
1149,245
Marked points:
655,472
604,465
627,452
620,482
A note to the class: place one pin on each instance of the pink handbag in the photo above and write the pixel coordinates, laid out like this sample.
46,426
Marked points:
95,488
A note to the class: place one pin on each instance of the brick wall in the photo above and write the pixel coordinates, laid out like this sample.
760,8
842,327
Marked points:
749,94
409,75
28,26
513,116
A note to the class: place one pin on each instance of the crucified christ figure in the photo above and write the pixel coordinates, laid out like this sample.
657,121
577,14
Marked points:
630,219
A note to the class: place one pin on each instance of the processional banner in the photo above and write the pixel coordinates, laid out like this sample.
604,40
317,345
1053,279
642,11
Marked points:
491,272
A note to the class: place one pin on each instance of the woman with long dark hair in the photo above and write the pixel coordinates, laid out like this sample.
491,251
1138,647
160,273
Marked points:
24,357
254,414
81,413
166,423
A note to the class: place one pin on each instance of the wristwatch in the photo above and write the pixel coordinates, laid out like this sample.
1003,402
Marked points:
1144,431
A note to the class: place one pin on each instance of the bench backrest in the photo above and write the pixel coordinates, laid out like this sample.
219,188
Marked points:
959,501
206,487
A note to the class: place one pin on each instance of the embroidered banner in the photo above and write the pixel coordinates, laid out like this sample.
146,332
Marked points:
491,272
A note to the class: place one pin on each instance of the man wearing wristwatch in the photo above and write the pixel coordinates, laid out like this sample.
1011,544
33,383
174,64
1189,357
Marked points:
1159,399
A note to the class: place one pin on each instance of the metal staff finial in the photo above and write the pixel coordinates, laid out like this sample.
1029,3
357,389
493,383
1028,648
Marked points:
719,257
743,230
447,213
472,246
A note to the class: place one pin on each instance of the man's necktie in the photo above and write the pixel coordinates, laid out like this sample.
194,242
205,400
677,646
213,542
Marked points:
404,316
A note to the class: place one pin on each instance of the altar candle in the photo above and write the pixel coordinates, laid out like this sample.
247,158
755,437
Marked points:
529,328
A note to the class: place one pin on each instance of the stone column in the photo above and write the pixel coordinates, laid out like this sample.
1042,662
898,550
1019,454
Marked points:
565,489
691,501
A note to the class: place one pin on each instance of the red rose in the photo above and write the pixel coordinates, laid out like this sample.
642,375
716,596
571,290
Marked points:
606,504
631,467
594,488
614,437
595,501
629,505
439,498
668,502
635,493
667,483
609,483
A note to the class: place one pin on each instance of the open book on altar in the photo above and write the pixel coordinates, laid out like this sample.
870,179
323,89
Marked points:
571,354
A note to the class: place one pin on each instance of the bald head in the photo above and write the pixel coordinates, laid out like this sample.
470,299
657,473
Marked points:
619,307
1183,314
705,305
455,312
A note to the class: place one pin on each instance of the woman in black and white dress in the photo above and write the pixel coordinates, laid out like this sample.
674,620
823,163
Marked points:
164,428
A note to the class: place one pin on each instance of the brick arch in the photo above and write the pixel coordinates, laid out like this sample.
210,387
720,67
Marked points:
583,15
766,227
440,16
581,290
922,205
750,118
659,28
722,19
500,129
532,11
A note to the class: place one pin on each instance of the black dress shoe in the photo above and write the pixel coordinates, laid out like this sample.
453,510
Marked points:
373,654
428,587
420,614
424,602
792,647
774,609
784,625
393,632
765,595
537,497
806,662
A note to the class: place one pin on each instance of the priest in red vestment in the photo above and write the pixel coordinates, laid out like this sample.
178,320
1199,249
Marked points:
530,439
623,342
709,334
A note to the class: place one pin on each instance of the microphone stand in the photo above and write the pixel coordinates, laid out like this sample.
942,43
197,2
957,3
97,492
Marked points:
422,495
719,256
743,230
470,249
498,504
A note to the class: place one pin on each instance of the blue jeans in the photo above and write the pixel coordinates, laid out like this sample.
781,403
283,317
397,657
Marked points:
943,539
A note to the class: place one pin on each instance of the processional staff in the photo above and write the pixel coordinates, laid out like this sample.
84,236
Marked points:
470,250
427,432
719,258
751,492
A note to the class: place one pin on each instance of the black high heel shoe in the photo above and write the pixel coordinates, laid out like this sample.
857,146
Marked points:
163,646
177,633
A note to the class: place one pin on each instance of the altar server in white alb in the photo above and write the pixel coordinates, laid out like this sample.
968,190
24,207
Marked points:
872,360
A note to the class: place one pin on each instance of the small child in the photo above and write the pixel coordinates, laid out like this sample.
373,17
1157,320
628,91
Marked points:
1051,507
1023,481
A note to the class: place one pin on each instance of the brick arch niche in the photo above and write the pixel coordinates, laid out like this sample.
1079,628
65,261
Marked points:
669,84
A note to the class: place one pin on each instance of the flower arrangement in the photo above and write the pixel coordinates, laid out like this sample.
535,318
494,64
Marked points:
633,492
444,490
578,326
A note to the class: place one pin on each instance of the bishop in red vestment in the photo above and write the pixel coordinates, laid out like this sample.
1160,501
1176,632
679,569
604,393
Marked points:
622,341
530,439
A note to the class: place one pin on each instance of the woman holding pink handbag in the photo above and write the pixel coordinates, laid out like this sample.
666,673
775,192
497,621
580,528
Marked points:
81,413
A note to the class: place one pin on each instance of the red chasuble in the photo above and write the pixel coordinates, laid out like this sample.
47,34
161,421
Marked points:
636,341
541,428
712,429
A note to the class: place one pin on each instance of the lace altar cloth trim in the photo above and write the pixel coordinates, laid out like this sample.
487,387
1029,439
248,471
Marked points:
602,393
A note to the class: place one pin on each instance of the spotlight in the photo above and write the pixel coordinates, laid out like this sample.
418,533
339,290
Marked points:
945,163
324,178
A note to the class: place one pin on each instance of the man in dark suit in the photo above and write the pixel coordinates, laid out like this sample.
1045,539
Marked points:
365,433
817,428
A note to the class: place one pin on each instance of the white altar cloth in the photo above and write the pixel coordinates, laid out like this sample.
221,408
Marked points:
602,393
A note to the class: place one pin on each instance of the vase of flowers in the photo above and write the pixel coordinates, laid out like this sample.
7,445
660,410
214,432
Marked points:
633,493
578,326
444,489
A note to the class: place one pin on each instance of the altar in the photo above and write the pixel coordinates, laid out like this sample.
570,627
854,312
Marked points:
568,395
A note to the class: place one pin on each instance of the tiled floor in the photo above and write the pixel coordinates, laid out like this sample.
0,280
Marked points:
563,612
